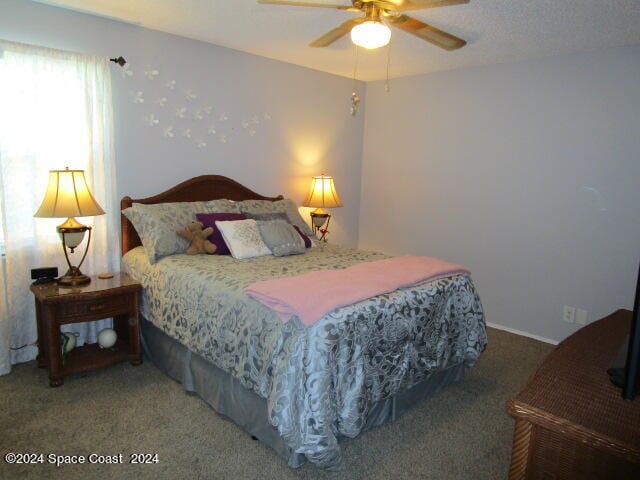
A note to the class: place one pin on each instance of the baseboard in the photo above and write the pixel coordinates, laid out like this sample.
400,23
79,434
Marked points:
520,332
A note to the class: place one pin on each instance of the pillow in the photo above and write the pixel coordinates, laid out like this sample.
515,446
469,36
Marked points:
156,224
128,212
243,238
286,206
281,237
307,241
280,216
209,220
268,216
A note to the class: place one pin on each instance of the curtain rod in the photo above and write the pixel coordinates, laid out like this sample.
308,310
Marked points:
25,46
120,61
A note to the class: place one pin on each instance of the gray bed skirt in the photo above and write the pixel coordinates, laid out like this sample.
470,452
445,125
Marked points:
227,396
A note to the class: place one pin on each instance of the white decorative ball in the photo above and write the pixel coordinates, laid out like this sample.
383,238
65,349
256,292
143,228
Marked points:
107,338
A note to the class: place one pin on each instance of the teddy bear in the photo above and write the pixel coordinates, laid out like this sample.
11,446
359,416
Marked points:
197,235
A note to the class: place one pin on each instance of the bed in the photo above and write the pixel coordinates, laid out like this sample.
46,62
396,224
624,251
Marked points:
297,389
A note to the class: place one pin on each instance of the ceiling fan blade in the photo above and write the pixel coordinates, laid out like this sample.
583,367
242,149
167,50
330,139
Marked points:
348,8
426,32
337,33
406,5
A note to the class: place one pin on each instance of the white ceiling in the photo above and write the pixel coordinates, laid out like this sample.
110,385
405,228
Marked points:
497,31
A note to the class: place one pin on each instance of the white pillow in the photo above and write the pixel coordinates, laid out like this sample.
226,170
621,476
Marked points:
243,238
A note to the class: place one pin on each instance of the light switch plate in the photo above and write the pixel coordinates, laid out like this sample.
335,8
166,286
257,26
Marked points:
569,314
582,316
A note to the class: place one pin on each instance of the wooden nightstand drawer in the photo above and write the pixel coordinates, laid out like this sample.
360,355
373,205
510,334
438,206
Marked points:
105,307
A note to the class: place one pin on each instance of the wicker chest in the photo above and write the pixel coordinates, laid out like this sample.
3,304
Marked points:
571,422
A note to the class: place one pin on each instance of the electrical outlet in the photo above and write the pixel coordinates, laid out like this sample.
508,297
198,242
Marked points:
581,316
569,314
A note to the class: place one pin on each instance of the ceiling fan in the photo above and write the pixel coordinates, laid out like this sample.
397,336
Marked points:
370,32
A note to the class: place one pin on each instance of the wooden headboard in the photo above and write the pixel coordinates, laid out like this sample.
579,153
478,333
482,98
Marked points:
202,188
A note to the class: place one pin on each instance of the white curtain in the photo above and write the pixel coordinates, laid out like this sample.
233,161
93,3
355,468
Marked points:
55,111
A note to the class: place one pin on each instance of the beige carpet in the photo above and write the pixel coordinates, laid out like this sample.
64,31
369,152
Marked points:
462,432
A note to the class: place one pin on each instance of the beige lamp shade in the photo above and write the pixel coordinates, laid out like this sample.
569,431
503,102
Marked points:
68,196
322,193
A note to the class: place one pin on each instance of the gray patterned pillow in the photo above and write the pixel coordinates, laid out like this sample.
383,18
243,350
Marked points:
157,224
266,206
281,237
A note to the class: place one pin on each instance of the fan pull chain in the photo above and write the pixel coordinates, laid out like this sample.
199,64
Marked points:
387,85
355,65
355,99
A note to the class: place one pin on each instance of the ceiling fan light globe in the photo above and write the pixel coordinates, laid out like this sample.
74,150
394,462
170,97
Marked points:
371,35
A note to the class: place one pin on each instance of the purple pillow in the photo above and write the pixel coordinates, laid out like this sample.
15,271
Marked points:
209,220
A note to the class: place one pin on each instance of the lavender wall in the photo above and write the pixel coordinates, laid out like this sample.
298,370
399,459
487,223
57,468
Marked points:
528,173
309,132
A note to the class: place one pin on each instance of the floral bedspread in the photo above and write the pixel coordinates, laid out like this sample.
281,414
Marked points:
319,381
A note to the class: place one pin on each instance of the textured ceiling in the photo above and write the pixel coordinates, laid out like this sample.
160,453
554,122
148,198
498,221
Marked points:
497,31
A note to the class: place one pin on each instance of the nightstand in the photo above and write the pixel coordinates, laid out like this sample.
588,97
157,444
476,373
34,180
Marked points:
56,305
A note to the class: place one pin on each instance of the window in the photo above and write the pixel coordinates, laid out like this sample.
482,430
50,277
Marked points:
56,112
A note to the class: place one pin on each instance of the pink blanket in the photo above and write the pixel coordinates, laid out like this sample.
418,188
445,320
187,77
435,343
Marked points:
312,295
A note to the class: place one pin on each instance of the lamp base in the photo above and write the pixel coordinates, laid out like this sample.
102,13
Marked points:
74,277
320,218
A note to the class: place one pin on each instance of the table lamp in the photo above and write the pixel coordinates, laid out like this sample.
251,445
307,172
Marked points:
322,194
68,196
